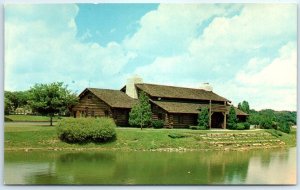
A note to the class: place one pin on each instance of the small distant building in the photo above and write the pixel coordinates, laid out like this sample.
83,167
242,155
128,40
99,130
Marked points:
178,107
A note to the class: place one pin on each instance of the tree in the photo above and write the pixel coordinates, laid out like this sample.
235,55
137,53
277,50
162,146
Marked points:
8,106
244,106
203,118
232,119
18,99
140,113
50,99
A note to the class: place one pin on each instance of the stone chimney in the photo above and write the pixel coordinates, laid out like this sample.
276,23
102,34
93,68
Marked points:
130,86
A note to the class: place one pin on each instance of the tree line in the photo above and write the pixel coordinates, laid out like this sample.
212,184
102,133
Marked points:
42,99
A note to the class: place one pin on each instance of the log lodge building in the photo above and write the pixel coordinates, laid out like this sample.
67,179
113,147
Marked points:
178,107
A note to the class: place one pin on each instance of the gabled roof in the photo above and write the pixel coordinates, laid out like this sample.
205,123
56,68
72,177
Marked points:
113,98
192,108
178,107
163,91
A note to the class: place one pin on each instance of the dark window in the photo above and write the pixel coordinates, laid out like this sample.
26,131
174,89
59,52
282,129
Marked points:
106,113
89,96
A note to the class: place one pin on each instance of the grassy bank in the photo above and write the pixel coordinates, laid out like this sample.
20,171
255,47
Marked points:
35,137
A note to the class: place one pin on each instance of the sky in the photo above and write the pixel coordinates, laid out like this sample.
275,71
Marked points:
245,51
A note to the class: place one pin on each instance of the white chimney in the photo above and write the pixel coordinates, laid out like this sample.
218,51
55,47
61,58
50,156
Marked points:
130,86
206,86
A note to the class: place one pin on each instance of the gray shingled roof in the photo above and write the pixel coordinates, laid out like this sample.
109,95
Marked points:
178,107
114,98
179,92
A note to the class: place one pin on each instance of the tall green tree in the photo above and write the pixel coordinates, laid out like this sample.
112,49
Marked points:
203,118
50,99
244,106
232,119
140,113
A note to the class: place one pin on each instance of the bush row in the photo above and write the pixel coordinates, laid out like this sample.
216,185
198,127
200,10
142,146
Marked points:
84,130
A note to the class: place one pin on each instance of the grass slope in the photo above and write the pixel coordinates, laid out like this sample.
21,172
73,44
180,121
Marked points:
21,137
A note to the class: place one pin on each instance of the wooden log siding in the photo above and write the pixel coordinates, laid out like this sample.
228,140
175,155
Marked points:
121,116
184,120
92,105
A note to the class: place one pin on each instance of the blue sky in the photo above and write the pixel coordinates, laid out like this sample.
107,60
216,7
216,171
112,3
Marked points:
245,51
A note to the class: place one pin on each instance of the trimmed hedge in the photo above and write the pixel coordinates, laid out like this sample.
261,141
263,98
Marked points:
240,126
84,130
157,124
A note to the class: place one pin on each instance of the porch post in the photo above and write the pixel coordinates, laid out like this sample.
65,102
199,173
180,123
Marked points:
225,116
224,120
209,114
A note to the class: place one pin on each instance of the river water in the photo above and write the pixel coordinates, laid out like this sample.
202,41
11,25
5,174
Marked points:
273,166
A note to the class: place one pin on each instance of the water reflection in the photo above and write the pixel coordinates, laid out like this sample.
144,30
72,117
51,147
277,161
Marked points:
251,167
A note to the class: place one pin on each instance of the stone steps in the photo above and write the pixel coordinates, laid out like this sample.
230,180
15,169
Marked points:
237,140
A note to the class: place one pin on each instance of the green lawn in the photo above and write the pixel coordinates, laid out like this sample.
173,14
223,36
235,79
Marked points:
22,137
26,118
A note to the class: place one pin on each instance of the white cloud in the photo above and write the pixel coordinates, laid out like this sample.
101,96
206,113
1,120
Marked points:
169,29
242,50
237,53
40,48
281,72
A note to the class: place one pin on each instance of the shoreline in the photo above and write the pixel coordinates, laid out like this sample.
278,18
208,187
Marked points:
55,149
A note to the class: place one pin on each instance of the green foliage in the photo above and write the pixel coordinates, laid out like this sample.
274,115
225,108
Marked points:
157,124
203,118
84,130
244,106
284,127
271,119
8,106
140,113
240,126
14,100
274,132
49,99
176,136
247,125
266,123
232,119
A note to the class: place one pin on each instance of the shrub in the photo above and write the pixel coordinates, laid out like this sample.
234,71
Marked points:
175,136
232,119
203,118
247,125
84,130
266,123
240,126
158,124
284,127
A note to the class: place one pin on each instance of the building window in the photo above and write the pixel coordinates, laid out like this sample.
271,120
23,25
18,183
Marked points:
89,97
